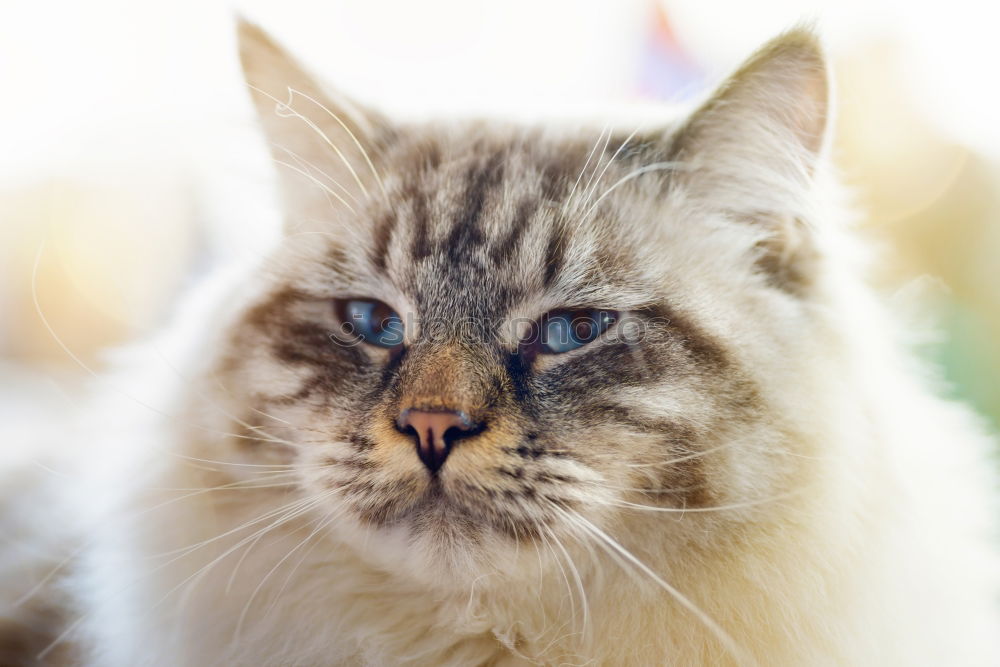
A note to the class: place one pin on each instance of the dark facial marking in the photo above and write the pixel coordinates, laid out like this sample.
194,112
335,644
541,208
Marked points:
788,262
336,259
420,247
302,343
503,250
555,251
466,233
384,229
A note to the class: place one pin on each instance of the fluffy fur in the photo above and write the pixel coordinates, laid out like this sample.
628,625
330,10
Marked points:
750,474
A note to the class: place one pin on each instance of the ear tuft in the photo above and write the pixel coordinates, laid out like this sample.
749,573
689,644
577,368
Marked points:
324,146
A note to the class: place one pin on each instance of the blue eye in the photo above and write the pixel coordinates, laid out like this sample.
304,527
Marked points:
566,330
372,321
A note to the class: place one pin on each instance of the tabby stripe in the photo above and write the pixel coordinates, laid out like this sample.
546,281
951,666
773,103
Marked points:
504,249
383,238
467,232
555,254
421,247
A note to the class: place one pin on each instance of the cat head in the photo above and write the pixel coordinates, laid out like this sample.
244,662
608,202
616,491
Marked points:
476,335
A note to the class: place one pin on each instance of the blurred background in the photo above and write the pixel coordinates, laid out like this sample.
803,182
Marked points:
129,164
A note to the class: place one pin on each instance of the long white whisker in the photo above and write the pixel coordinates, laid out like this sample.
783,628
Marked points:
71,628
183,551
49,575
241,485
315,180
332,517
577,578
300,509
309,166
590,191
656,166
284,109
357,143
590,180
682,458
569,589
76,552
208,400
689,510
590,156
246,608
59,341
603,538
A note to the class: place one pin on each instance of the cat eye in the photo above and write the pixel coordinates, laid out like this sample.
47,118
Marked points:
565,330
373,321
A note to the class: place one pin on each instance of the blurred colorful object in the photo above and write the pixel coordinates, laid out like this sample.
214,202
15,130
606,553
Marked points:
667,71
934,207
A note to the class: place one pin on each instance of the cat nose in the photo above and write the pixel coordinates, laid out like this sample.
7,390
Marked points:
436,431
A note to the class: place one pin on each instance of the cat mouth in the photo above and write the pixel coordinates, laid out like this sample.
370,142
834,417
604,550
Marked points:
442,508
435,503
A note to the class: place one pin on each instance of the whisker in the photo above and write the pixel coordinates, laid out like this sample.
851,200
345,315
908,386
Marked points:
357,143
267,436
617,152
72,627
298,510
65,348
332,517
197,459
593,173
689,510
246,608
315,180
87,544
184,551
656,166
653,492
49,576
569,197
309,166
234,486
575,518
285,109
682,458
578,580
569,589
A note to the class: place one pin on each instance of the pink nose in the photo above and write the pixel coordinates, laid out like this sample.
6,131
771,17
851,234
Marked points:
436,431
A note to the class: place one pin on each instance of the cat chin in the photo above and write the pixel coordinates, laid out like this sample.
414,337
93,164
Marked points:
439,555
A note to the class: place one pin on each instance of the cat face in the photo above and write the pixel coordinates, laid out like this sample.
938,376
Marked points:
476,336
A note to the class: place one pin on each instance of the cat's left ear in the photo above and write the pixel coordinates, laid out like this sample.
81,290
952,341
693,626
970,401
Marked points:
754,148
325,147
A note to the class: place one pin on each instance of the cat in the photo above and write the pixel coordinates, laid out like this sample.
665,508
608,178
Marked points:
509,395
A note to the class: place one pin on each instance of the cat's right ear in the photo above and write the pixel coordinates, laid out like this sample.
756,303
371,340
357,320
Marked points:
326,148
